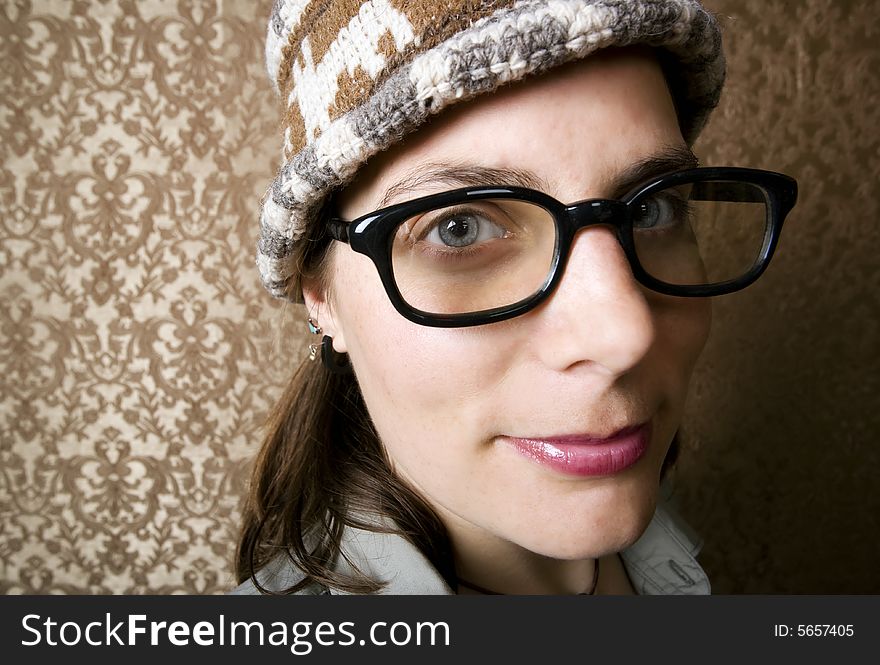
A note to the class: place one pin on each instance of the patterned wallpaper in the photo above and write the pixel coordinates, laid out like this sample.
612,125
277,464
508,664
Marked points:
138,354
137,139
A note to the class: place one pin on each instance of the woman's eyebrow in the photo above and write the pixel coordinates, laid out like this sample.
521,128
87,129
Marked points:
428,175
456,175
673,158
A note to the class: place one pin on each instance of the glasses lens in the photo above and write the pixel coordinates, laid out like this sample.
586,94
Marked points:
473,256
701,233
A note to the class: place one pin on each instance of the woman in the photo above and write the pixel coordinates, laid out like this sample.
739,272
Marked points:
510,289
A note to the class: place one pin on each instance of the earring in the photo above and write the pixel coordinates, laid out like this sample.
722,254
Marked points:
337,363
315,329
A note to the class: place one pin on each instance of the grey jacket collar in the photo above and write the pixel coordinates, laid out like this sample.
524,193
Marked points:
662,561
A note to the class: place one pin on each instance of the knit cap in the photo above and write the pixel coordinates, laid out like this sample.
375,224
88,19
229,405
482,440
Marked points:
356,76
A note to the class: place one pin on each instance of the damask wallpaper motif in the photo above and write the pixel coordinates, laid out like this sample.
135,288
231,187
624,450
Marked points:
137,139
139,355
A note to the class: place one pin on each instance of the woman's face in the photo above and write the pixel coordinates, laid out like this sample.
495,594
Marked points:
489,423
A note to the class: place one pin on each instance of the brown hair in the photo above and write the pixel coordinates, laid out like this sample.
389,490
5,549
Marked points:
322,468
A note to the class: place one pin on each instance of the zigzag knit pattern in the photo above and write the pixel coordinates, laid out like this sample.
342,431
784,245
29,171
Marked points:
358,76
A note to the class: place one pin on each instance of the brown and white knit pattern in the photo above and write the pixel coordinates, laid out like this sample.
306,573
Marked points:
357,76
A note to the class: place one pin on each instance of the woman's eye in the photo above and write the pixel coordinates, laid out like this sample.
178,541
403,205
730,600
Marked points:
463,230
659,212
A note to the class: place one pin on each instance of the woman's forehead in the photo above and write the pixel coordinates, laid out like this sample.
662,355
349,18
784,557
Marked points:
585,123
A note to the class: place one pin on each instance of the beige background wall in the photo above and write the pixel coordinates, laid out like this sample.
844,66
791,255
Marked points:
138,355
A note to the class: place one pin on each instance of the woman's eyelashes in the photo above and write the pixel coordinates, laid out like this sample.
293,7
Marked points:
463,229
661,211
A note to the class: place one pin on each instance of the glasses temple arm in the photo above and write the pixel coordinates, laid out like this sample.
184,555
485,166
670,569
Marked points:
338,229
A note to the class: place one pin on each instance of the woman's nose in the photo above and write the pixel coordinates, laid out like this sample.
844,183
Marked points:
598,313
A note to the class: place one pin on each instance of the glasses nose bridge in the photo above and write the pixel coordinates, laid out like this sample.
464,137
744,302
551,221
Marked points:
593,212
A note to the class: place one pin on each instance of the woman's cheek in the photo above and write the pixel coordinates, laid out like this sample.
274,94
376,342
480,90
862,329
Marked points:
683,326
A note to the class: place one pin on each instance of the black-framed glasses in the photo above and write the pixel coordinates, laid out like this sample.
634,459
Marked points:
477,255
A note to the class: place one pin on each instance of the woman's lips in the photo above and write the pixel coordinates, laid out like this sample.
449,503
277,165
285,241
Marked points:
581,455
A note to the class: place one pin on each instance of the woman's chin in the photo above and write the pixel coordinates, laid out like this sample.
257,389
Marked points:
569,540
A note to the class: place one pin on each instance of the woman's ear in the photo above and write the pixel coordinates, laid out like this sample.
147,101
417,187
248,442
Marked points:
321,311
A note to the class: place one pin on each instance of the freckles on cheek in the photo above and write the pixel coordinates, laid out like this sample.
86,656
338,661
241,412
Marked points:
428,371
430,384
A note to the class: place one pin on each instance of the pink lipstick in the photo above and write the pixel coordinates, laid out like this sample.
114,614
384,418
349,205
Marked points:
583,455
